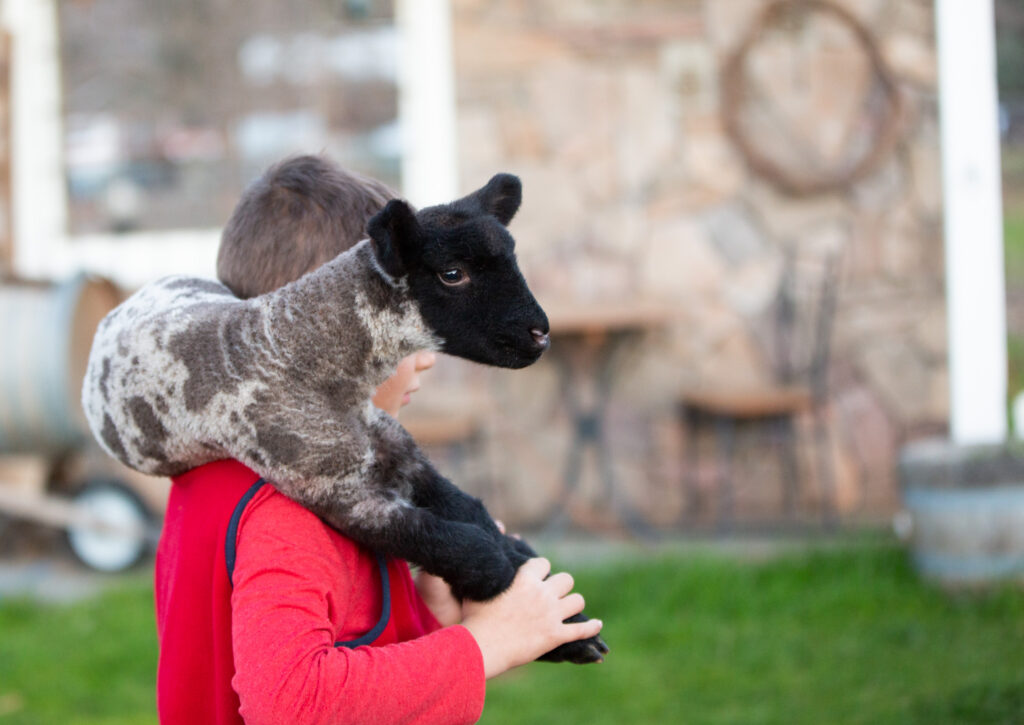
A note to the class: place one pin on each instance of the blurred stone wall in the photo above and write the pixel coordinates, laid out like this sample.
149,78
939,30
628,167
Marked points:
611,112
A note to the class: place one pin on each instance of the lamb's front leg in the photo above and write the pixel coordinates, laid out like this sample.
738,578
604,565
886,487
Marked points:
429,521
381,515
469,557
380,511
445,500
451,503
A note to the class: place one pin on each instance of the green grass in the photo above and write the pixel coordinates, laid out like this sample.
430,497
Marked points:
839,637
846,635
91,662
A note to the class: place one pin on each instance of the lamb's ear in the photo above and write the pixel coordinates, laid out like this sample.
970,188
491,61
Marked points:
394,232
500,197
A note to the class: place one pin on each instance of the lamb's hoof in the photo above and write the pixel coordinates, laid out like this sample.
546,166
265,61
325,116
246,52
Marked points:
580,652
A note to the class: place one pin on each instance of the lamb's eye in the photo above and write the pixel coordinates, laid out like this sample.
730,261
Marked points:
453,277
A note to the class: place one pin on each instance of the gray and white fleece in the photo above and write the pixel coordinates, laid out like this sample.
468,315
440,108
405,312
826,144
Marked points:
184,373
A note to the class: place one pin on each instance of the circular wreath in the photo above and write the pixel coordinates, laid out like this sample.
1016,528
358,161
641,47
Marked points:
801,182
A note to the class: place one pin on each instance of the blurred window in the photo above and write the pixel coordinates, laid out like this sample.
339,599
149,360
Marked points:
172,106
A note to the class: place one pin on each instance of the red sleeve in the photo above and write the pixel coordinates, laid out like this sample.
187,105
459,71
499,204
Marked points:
289,581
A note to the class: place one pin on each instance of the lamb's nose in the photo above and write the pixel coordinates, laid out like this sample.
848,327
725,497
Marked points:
541,338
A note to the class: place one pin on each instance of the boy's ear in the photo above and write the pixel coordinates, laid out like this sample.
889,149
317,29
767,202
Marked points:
500,197
394,232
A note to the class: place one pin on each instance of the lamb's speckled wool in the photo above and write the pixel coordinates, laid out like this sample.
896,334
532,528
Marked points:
183,373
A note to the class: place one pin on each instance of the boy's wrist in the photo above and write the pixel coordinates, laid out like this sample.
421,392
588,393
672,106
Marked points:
490,651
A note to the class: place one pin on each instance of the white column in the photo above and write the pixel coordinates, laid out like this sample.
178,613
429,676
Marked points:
37,172
975,291
42,246
426,101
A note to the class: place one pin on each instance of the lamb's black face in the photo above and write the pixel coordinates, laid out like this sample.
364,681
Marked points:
471,293
459,261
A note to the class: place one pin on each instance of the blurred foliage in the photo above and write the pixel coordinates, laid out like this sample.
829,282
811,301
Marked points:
1009,15
845,634
1013,250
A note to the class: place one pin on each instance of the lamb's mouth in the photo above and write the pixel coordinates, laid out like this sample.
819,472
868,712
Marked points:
520,356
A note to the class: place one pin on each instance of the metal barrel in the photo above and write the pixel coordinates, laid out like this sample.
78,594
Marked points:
965,509
46,331
970,535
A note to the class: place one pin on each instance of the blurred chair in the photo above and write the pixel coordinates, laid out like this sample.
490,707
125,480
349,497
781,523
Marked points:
796,337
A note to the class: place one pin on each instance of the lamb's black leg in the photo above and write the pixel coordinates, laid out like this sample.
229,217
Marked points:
463,554
452,503
405,508
448,501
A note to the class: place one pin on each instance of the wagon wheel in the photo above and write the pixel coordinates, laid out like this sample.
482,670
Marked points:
116,505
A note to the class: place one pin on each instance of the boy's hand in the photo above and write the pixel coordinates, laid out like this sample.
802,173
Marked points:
526,620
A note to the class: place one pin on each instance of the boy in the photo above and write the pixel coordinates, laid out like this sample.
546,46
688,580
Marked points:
261,607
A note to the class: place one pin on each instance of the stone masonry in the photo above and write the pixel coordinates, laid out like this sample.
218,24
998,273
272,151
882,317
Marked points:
612,113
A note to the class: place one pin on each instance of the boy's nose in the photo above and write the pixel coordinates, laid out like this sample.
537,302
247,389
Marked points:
425,359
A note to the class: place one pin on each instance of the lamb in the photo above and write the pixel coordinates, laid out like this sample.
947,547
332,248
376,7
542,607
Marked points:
183,373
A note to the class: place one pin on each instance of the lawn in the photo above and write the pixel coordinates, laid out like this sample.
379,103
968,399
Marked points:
847,634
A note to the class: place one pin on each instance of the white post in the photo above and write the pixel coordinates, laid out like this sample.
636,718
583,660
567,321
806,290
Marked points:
426,101
975,293
37,171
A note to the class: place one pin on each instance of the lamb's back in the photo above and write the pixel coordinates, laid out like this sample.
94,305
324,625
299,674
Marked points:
162,368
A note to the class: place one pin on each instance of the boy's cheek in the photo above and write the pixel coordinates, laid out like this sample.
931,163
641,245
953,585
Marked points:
385,397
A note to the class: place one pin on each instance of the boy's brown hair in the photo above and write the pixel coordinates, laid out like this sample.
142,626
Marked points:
301,213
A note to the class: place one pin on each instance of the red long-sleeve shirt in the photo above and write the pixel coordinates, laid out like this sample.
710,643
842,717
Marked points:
254,598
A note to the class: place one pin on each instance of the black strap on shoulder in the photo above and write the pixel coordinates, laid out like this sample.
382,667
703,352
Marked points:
385,609
231,550
231,540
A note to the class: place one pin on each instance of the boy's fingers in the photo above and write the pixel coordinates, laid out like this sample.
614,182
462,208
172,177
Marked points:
570,605
539,567
561,583
583,630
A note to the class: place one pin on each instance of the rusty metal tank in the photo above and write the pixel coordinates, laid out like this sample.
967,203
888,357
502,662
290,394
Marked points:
46,330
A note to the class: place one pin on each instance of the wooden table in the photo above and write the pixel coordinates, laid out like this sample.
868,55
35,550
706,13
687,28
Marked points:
588,344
